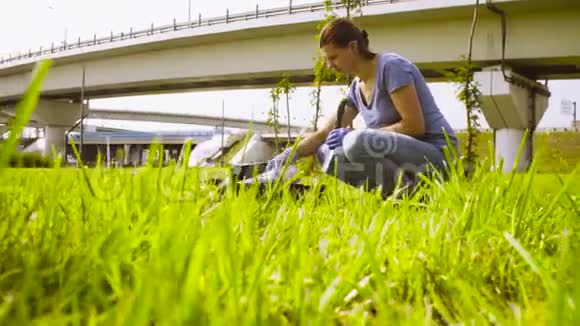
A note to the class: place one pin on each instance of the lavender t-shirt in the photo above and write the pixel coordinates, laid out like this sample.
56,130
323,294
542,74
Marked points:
394,72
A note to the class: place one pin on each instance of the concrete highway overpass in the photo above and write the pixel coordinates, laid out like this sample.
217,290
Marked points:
253,50
541,42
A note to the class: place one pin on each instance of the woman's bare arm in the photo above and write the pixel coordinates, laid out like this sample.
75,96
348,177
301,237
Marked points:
407,104
310,144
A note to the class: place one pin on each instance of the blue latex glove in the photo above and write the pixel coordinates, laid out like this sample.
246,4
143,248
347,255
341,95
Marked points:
279,161
335,137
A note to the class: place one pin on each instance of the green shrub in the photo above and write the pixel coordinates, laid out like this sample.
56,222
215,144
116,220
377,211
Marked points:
29,160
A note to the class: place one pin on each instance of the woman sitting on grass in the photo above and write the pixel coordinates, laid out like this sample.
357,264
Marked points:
405,130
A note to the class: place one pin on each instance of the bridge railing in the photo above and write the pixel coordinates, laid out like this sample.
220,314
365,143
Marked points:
177,26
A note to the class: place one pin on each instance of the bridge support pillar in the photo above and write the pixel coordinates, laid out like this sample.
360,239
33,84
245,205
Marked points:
54,140
126,153
57,118
511,104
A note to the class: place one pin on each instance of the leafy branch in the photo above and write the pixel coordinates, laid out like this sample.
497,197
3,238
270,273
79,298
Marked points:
273,116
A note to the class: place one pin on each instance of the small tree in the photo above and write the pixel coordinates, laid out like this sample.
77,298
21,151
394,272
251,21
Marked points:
321,75
273,115
468,93
286,87
351,6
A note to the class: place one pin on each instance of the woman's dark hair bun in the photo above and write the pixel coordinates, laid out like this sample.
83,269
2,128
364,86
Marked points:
365,37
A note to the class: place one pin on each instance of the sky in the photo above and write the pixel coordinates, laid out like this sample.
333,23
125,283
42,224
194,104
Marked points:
33,23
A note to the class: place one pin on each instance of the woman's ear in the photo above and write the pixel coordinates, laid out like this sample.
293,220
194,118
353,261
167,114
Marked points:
353,46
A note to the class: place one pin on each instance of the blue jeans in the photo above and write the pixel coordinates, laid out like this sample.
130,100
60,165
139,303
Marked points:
375,158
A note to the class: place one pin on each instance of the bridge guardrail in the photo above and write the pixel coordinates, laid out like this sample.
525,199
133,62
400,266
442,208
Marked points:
175,26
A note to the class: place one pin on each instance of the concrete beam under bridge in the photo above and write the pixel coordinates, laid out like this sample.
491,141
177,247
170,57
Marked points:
46,113
68,114
184,119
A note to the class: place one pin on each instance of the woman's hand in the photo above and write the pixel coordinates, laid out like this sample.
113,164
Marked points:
335,137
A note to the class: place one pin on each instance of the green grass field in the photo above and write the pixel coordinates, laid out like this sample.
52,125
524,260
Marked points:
156,246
